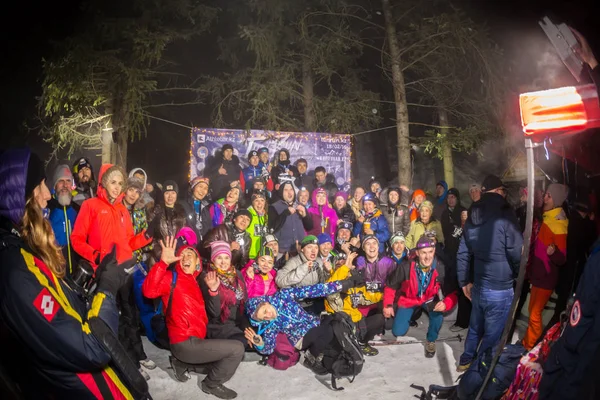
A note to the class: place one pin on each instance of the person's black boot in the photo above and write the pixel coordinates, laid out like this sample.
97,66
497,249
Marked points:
180,369
218,390
314,364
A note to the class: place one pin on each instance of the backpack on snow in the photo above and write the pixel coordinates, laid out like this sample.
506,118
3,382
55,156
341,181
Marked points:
159,321
343,357
284,356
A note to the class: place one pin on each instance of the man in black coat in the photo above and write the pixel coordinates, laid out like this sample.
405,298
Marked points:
197,208
223,171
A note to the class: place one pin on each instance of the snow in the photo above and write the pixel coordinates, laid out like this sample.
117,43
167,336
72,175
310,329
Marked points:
385,376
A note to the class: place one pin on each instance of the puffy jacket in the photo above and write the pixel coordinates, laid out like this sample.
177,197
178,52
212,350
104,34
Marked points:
220,184
100,225
140,224
397,217
48,329
197,215
261,284
187,315
250,173
418,228
343,301
257,230
166,221
287,228
62,220
291,319
324,218
492,236
543,269
219,213
329,186
295,273
403,285
227,232
378,225
346,214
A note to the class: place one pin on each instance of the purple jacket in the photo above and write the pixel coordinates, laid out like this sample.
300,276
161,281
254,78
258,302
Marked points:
377,271
13,176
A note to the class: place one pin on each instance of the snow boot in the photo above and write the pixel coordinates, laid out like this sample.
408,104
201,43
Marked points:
314,364
429,349
148,363
368,350
180,369
219,391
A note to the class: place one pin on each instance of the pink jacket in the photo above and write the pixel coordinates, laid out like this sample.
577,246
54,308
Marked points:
261,285
329,215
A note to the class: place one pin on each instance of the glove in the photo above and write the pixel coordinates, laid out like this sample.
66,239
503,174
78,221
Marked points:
110,275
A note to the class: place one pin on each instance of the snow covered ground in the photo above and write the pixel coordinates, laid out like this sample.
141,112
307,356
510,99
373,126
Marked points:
385,376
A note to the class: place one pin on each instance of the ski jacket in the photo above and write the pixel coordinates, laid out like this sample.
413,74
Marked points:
418,228
100,225
324,217
257,230
250,173
49,331
346,213
219,213
227,232
402,286
261,284
492,237
397,217
295,273
291,318
349,301
62,220
378,225
197,215
543,269
187,315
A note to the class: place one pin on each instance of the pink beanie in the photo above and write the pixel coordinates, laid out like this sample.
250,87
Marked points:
219,247
189,235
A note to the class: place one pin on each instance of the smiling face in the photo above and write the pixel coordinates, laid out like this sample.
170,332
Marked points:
223,262
302,167
233,196
288,193
170,198
132,195
344,234
273,245
325,249
371,248
394,197
253,161
311,251
303,197
419,199
369,207
63,191
398,247
242,222
189,261
84,174
283,156
426,256
375,187
258,185
321,199
259,204
425,214
200,191
115,186
265,312
42,195
358,194
340,202
265,264
264,157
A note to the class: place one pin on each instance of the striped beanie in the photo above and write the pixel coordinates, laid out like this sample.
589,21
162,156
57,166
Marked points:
219,247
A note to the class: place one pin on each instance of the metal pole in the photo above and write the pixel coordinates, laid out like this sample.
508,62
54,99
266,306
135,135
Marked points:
524,256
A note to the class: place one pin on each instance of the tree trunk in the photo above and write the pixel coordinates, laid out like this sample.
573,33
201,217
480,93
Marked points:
107,139
446,148
120,122
310,119
402,132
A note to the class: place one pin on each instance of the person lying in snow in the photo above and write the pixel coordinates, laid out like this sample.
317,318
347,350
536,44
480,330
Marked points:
281,313
260,275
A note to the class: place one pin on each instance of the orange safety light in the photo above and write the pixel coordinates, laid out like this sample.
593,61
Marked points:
562,110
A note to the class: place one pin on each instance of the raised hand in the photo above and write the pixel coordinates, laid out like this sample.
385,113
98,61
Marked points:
212,281
350,260
168,250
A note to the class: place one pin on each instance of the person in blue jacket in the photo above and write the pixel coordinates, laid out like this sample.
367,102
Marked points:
63,212
372,222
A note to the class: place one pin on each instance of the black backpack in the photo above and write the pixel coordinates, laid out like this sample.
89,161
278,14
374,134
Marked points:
343,357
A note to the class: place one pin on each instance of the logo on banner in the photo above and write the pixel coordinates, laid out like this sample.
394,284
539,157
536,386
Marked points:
201,138
46,305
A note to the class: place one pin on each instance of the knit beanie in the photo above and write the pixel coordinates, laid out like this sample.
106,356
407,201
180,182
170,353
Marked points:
110,173
170,186
369,237
310,239
227,146
344,195
198,180
426,204
135,183
324,238
398,236
35,173
559,193
61,172
219,247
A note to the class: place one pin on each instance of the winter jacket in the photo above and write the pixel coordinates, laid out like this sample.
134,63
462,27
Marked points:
543,269
304,181
140,224
291,319
62,220
343,301
280,172
261,284
418,228
413,209
225,320
47,326
219,213
250,173
329,186
220,184
492,236
402,286
83,192
165,221
288,228
376,271
440,203
452,229
378,225
324,218
198,215
100,225
346,214
257,230
295,273
397,217
187,317
227,232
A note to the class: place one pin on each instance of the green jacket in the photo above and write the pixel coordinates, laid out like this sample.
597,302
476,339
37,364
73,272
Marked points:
256,229
417,229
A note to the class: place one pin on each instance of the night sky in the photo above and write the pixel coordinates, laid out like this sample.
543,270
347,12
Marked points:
29,29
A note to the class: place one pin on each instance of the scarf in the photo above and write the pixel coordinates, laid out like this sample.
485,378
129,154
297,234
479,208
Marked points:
423,277
230,290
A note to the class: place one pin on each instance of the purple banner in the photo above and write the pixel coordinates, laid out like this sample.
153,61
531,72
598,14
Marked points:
328,150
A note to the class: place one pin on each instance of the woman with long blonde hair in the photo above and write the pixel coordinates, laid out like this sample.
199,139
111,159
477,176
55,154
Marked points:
49,344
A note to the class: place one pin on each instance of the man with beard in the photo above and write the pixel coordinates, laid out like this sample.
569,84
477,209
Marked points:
63,212
85,183
235,234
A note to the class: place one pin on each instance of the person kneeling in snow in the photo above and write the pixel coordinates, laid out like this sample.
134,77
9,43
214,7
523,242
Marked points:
420,283
281,313
186,321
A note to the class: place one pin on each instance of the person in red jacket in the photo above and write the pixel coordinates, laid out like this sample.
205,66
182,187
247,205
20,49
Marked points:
420,283
186,321
104,221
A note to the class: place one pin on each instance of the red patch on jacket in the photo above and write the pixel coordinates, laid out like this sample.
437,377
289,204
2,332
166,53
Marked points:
46,304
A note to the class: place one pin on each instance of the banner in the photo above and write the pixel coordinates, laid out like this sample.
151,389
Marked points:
319,149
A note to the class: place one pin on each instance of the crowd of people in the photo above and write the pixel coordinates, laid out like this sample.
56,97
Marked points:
245,255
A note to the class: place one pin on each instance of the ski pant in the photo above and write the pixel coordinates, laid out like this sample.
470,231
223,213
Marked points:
402,319
145,306
370,326
489,314
537,301
318,338
221,357
129,319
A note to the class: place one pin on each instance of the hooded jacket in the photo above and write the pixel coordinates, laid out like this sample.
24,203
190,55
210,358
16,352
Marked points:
288,228
261,284
220,184
187,317
378,225
291,318
396,215
227,232
452,227
324,218
493,238
146,197
100,225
